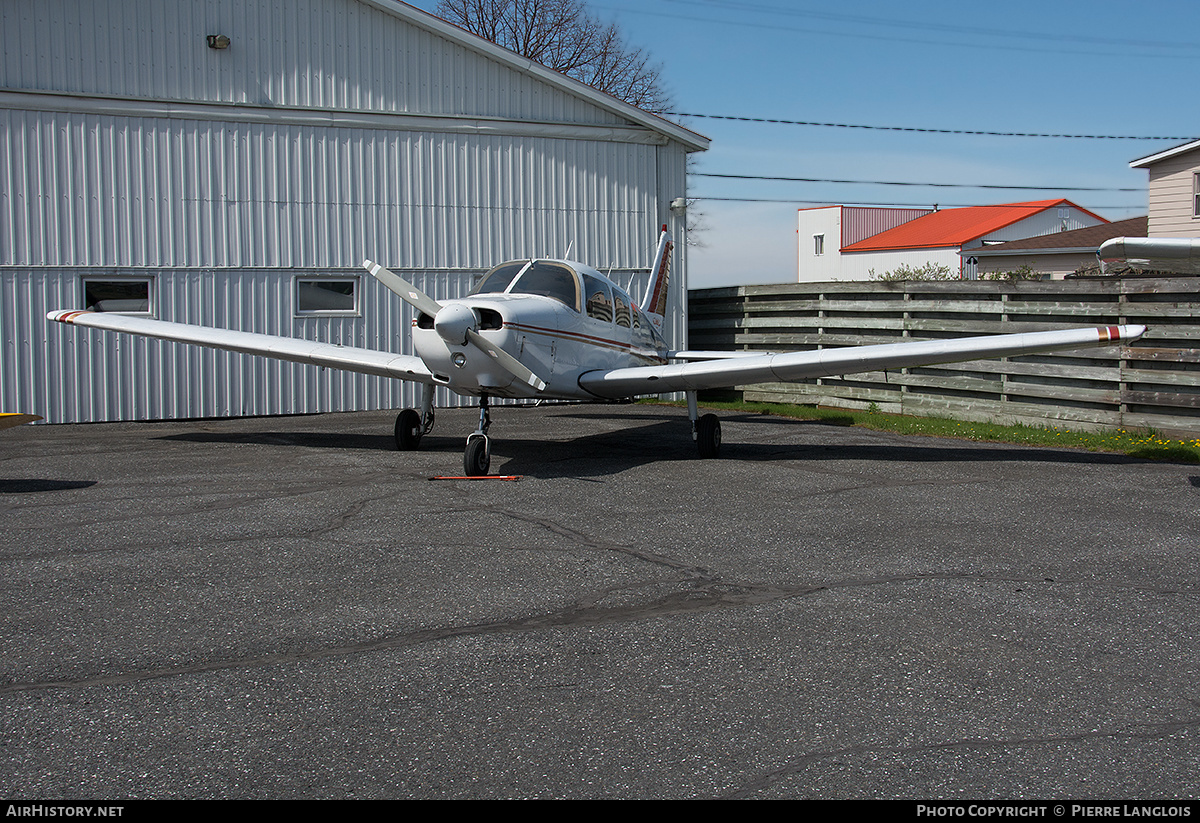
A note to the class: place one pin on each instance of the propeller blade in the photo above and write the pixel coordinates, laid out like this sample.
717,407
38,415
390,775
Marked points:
407,292
422,302
510,363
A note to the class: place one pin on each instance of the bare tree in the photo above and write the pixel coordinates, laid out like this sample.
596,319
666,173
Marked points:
564,36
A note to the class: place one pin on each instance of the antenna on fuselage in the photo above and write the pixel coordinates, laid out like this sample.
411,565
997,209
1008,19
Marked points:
570,246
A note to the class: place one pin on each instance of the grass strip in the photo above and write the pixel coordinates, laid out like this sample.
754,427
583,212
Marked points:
1144,443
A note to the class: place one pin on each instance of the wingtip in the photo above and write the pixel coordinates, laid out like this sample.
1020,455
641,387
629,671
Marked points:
65,315
1124,334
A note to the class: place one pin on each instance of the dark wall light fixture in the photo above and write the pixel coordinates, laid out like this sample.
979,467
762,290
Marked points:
217,41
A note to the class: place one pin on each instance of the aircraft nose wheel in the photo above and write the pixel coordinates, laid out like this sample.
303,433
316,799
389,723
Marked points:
477,459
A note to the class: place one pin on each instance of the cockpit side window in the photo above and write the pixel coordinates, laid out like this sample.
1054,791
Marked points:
497,280
549,280
599,298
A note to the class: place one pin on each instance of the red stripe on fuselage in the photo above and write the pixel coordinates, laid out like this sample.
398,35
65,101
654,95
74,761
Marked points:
593,340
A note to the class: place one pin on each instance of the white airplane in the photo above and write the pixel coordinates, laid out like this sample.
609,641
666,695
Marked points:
557,329
1172,254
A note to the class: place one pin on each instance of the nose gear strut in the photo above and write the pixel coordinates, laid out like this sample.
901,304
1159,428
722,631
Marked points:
477,458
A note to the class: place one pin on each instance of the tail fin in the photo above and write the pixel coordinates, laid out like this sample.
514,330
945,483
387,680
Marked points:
655,304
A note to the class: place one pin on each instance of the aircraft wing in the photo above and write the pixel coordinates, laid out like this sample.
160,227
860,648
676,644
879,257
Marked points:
8,420
782,368
349,358
700,354
1173,254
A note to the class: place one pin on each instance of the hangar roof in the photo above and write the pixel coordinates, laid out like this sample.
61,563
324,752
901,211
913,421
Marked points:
692,140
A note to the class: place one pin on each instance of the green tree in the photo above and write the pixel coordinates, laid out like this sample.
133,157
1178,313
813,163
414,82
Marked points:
929,271
1024,272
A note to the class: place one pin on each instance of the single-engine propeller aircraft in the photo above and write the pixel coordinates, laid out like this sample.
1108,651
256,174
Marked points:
557,329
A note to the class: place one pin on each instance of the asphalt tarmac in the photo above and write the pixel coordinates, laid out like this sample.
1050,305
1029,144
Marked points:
291,608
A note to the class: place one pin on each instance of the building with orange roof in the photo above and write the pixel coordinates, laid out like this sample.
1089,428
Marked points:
829,249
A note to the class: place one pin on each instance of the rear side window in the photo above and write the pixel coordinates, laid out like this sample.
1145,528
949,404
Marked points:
621,301
599,299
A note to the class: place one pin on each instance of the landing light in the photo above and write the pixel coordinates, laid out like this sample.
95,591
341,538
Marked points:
458,359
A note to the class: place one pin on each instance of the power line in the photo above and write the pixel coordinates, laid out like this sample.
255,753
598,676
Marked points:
894,183
974,32
974,43
780,121
798,202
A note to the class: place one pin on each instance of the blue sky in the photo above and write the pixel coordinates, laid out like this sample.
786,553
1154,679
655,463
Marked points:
1097,68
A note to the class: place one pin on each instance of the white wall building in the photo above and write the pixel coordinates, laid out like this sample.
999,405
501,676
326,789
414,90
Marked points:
232,162
824,231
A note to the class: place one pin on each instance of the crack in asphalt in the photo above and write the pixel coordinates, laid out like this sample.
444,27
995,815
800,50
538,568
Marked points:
320,490
1154,731
588,542
581,613
704,595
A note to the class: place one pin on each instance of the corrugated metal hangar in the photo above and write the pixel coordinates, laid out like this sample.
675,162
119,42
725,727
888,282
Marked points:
232,162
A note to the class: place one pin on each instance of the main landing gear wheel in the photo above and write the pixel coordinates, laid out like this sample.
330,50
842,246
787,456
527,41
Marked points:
477,459
708,435
408,430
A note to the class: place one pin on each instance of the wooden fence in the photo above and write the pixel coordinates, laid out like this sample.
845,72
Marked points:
1153,383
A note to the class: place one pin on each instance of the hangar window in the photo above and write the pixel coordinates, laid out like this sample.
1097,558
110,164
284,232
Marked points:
125,295
327,295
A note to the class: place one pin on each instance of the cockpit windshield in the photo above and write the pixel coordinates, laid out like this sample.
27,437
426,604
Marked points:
498,279
533,277
549,280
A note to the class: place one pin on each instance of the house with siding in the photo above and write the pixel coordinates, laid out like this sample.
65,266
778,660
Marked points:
945,237
1173,190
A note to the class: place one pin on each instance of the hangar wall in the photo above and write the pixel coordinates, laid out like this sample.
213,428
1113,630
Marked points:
330,131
